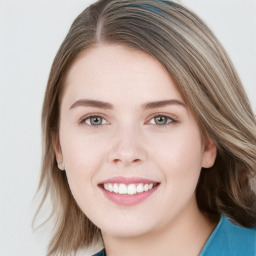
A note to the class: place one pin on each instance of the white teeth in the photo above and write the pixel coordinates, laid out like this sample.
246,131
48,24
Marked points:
122,189
115,188
110,187
140,188
130,189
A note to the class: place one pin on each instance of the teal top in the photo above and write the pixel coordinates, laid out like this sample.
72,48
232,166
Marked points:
227,239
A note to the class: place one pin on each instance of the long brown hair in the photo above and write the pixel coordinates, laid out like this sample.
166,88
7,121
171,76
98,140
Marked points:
205,77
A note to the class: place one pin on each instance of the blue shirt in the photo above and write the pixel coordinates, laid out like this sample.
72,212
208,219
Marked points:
227,239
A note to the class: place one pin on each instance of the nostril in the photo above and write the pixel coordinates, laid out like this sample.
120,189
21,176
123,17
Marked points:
137,160
116,161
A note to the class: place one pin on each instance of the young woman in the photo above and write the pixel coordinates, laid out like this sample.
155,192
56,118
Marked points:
149,138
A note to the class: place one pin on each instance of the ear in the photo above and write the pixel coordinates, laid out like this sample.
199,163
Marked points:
210,153
57,150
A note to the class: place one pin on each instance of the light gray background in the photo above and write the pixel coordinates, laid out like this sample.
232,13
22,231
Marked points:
30,33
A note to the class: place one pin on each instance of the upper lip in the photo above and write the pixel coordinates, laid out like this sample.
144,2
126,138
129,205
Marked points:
128,180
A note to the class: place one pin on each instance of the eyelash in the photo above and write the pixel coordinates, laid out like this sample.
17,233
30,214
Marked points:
170,120
83,121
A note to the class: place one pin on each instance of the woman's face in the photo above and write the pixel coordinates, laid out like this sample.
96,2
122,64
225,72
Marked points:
124,126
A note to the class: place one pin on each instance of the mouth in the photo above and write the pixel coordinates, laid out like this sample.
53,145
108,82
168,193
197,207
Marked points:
128,191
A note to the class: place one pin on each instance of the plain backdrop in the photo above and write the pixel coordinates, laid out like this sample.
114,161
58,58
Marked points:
30,33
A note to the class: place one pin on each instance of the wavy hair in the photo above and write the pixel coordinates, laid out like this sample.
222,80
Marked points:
205,77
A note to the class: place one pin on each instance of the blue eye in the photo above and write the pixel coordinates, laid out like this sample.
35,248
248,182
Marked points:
95,120
161,120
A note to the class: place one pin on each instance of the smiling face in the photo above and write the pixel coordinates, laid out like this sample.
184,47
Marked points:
123,121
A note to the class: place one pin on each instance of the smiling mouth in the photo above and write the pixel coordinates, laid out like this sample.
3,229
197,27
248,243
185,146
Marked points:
128,189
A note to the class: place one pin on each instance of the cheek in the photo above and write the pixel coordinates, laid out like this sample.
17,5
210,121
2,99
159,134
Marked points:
83,156
82,161
79,150
179,155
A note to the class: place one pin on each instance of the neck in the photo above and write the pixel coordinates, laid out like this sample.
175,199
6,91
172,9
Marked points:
186,234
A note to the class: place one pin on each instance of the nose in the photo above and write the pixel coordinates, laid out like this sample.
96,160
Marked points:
127,146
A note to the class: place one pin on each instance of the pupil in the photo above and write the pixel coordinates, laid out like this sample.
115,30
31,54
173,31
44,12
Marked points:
96,120
160,120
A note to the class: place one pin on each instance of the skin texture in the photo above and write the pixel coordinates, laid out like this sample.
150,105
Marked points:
130,143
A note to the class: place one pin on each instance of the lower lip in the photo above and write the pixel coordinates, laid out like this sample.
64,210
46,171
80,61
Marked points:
128,200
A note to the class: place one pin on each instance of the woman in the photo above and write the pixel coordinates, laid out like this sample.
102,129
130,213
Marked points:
149,138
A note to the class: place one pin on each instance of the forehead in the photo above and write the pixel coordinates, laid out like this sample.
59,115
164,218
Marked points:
115,72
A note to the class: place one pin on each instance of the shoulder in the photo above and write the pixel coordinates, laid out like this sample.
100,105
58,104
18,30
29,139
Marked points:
230,239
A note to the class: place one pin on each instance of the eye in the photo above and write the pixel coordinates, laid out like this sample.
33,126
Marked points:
161,120
94,120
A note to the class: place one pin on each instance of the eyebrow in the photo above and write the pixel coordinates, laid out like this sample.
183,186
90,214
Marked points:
163,103
106,105
91,103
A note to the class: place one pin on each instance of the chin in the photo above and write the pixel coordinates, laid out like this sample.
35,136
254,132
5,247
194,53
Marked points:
127,229
124,232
